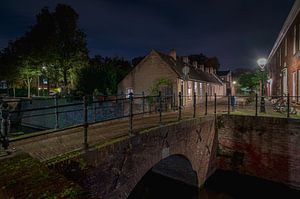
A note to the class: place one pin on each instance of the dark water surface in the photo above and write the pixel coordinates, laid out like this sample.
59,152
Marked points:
221,185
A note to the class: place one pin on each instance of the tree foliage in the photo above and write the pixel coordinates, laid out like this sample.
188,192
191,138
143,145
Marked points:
102,75
54,47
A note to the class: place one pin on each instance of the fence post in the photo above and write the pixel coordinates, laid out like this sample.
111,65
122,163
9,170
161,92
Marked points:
256,104
228,104
288,105
130,113
179,106
5,125
174,101
215,104
160,106
95,108
194,105
143,93
56,111
206,96
85,122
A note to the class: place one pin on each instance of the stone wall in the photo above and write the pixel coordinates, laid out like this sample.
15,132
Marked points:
261,146
113,170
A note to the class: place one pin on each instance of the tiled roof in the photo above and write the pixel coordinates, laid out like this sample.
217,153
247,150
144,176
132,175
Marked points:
194,74
223,73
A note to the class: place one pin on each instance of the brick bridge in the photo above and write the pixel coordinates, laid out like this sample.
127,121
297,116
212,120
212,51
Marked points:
112,166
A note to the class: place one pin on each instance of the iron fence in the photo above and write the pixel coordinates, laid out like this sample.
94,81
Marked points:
141,111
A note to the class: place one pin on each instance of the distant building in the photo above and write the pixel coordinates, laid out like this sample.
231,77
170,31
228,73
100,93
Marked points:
284,59
158,67
226,77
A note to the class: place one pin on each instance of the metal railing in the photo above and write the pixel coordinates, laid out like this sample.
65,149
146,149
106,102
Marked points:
159,109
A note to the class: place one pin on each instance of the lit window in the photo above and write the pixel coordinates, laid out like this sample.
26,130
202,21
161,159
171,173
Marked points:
128,91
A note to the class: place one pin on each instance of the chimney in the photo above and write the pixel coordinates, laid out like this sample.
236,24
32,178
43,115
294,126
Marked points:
172,53
185,59
195,64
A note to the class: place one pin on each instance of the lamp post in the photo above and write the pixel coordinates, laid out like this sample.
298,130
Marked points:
262,63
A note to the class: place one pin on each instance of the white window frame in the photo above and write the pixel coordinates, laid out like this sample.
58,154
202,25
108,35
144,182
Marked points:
128,91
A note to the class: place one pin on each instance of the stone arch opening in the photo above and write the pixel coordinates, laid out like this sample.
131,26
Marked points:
173,175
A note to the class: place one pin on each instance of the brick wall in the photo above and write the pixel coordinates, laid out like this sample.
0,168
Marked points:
263,147
146,73
113,170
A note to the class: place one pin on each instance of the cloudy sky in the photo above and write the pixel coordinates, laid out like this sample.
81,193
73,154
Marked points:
236,31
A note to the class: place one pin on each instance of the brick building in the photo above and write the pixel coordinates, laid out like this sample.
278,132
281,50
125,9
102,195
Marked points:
226,77
158,67
284,59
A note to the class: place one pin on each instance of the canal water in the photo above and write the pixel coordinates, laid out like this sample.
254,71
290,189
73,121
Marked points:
221,185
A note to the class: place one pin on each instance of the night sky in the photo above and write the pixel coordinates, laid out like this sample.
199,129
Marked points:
236,31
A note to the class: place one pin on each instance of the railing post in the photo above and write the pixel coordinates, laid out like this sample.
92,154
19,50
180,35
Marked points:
288,105
56,111
194,105
5,125
130,113
160,106
206,96
256,104
85,122
179,106
174,101
228,104
143,93
215,108
95,108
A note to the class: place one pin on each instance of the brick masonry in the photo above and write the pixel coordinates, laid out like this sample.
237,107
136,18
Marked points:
264,147
114,170
261,146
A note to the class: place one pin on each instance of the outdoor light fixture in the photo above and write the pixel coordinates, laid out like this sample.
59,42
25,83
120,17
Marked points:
262,63
234,82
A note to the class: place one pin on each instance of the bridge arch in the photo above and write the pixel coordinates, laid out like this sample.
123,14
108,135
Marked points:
166,177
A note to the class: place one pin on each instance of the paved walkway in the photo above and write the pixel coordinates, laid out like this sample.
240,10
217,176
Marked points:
49,146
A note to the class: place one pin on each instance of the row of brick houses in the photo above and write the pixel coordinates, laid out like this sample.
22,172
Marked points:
168,69
284,59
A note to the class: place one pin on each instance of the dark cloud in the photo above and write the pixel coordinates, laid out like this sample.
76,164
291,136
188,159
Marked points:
235,31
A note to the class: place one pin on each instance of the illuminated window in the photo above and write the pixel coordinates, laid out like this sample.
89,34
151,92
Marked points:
189,90
128,91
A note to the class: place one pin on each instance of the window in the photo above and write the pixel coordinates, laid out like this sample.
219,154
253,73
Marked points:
294,40
201,89
128,91
285,47
294,80
189,90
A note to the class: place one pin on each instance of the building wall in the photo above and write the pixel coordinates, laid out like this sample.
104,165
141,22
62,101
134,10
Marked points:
145,74
286,58
264,147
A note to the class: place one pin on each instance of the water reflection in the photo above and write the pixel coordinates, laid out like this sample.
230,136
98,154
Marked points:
221,185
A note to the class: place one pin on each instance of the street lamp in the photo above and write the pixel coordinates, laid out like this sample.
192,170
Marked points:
262,63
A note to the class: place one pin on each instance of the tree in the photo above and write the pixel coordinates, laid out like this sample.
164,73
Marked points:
250,81
70,42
